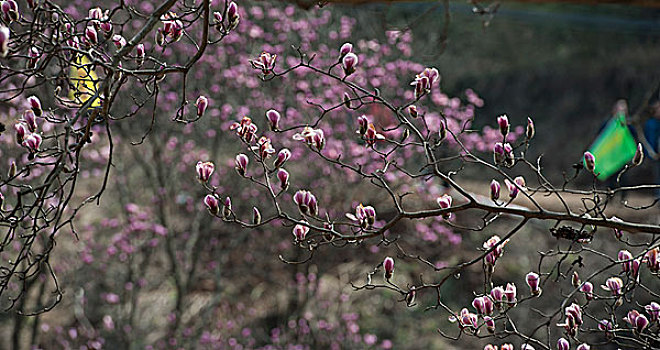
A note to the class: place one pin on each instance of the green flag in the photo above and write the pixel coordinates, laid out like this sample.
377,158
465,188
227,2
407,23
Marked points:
613,148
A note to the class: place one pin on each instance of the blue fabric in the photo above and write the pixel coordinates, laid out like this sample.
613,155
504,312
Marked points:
652,132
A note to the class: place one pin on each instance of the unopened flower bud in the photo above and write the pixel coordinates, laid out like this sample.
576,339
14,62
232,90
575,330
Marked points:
363,123
503,123
282,156
490,324
533,283
442,132
212,204
639,155
273,117
12,170
35,104
388,266
202,104
300,232
349,63
530,131
4,41
347,100
256,216
494,190
575,279
563,344
32,142
498,153
226,208
232,15
30,120
283,176
119,41
91,35
587,288
241,163
589,161
410,297
345,50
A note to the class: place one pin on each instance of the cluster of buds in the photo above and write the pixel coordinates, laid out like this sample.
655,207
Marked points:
300,231
504,296
312,137
503,154
245,129
306,202
282,157
204,171
636,320
424,81
573,320
590,161
283,177
466,319
10,11
264,147
366,216
388,267
241,163
445,203
172,30
265,62
652,258
515,186
503,123
484,305
614,285
588,289
491,258
26,128
273,117
629,265
4,41
100,20
533,280
202,104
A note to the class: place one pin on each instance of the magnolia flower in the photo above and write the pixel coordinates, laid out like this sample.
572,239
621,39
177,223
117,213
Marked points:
507,347
306,202
388,266
497,294
226,208
35,105
491,257
241,163
503,123
509,158
652,259
614,285
233,15
466,319
589,161
490,325
366,216
204,171
312,137
212,204
605,325
119,41
283,176
371,136
32,142
265,62
498,153
21,130
300,231
424,81
10,11
533,283
345,50
264,147
653,309
30,120
140,53
273,118
513,189
282,156
510,293
563,344
625,257
575,279
573,319
587,288
494,190
363,123
202,103
349,63
636,320
445,203
484,305
91,35
245,129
